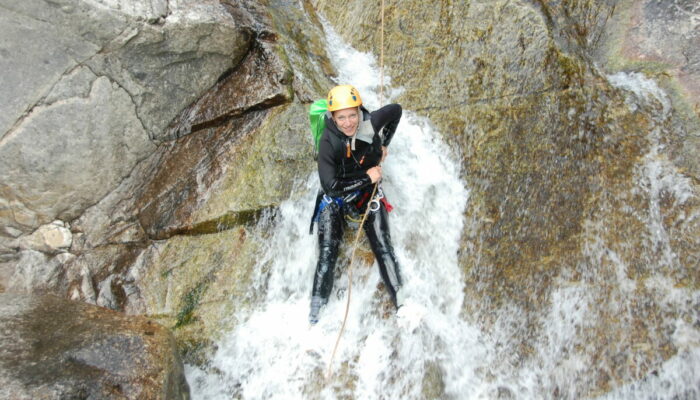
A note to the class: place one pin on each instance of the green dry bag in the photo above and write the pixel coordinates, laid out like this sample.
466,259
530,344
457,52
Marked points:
316,118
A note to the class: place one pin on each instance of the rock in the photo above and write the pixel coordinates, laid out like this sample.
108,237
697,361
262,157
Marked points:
261,81
42,41
52,348
278,153
106,79
85,290
235,159
51,238
6,271
204,183
200,197
215,187
113,219
657,35
37,272
12,232
156,63
661,39
236,151
299,33
89,145
193,283
106,297
8,249
98,276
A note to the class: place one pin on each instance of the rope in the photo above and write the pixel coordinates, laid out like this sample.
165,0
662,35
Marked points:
347,304
381,60
364,217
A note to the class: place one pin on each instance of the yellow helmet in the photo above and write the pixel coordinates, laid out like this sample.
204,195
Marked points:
342,97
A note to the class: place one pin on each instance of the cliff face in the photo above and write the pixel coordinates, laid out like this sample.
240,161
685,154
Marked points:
90,88
149,141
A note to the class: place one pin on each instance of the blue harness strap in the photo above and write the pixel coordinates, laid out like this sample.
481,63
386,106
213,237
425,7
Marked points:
323,200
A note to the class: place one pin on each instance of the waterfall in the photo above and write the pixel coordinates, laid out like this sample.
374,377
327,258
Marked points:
273,353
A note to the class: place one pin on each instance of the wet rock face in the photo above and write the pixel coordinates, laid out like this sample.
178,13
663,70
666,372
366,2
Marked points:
53,348
664,32
211,192
661,38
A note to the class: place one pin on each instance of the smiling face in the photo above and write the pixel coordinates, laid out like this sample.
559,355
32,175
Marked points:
347,120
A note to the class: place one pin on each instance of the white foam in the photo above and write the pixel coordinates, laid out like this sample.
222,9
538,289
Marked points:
643,88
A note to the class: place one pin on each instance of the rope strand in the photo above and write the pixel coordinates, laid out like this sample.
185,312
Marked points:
364,217
381,60
347,305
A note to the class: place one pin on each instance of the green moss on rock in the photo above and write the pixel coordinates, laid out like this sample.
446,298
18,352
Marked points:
189,303
208,278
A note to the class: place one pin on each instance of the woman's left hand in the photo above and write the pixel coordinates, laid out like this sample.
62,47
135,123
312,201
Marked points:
384,153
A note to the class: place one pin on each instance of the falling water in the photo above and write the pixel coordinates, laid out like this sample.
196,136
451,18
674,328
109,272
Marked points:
273,353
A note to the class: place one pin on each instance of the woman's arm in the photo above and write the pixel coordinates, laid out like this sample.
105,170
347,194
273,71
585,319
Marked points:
387,117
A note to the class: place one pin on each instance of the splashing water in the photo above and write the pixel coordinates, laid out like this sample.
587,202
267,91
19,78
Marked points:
275,354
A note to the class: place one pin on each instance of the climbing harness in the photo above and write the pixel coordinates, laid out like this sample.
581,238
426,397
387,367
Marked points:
323,200
374,191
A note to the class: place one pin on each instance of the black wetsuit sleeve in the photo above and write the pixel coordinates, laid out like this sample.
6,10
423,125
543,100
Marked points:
333,186
387,117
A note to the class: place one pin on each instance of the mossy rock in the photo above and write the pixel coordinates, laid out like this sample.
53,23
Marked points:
196,284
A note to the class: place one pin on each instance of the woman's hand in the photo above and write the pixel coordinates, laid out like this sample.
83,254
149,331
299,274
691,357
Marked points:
384,153
375,173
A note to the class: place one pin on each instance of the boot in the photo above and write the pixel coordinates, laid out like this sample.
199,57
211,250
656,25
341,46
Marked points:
316,304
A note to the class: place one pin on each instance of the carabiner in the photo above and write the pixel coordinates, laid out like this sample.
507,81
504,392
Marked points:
374,205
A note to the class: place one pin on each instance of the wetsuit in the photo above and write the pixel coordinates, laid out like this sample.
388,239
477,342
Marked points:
345,190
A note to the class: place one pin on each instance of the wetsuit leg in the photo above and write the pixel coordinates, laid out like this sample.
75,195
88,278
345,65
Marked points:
330,233
377,230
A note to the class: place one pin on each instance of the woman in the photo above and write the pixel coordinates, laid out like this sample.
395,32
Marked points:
353,145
